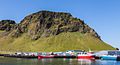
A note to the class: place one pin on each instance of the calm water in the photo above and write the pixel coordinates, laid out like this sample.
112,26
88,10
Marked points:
17,61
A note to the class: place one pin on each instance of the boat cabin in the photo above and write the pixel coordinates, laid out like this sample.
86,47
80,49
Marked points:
74,51
108,52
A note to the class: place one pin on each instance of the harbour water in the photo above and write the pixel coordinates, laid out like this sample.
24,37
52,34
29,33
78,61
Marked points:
19,61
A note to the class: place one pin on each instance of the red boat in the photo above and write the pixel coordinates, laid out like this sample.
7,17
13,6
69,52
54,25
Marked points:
85,56
45,56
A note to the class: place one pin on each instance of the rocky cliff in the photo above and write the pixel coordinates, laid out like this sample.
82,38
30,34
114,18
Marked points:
45,24
7,25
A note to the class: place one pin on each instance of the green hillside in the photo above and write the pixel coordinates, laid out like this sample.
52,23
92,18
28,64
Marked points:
61,42
49,31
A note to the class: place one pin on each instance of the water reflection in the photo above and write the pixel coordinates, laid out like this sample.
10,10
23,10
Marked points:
84,61
18,61
106,62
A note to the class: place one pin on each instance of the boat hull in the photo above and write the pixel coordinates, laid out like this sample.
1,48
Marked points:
85,57
64,56
40,57
109,57
20,56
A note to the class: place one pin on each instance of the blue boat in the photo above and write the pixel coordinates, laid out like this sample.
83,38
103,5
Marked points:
108,57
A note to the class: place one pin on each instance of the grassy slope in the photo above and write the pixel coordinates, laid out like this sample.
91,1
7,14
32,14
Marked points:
1,31
61,42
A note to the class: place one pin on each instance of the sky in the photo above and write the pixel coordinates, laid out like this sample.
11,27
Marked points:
101,15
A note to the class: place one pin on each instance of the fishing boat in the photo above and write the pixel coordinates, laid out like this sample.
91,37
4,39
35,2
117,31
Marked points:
111,55
20,56
45,56
81,54
85,55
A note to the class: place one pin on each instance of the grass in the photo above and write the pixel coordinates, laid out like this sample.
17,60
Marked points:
1,31
7,52
61,42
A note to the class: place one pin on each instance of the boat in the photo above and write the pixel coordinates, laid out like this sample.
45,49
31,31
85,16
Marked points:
81,54
20,56
45,56
85,55
57,56
110,55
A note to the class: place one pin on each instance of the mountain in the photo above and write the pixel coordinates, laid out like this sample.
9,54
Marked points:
7,25
49,31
